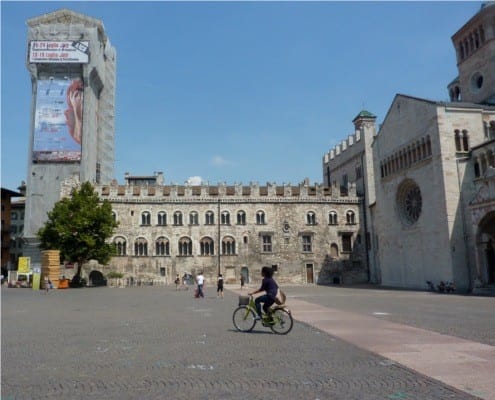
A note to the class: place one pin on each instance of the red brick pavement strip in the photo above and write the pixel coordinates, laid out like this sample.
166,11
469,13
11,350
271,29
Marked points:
463,364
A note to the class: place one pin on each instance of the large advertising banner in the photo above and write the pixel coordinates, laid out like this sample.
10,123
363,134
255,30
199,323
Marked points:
44,51
58,120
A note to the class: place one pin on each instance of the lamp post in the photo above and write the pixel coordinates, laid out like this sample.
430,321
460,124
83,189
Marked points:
219,240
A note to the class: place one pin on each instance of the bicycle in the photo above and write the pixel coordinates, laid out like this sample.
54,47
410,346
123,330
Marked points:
281,321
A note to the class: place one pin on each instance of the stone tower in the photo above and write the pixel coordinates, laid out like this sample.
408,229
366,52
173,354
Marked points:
72,67
475,45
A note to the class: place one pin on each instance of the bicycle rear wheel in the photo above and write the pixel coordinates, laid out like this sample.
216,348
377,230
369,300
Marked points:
282,321
243,319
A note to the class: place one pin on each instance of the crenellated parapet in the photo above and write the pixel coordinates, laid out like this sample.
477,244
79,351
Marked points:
344,146
237,193
364,130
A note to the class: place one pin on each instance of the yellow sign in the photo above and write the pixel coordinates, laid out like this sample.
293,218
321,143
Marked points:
24,265
36,281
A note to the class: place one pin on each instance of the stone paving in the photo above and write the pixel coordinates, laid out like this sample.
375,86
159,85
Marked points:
158,343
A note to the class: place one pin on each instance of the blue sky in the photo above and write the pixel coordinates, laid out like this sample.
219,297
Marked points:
241,91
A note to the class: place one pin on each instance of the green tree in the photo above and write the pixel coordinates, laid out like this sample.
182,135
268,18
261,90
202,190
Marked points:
79,227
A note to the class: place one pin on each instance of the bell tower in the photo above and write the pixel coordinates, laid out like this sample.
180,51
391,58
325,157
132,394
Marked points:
475,52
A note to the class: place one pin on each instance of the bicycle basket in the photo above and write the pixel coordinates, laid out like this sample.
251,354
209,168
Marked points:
243,300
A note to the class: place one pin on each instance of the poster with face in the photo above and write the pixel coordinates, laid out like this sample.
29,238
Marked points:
58,120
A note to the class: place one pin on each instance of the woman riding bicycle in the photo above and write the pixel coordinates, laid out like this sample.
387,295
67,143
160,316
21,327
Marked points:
269,286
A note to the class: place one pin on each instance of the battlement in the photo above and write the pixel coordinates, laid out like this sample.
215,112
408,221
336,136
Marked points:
343,146
238,192
364,124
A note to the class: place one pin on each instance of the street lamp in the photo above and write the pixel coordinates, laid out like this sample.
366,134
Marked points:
219,241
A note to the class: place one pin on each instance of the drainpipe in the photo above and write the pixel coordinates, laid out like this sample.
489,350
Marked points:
365,220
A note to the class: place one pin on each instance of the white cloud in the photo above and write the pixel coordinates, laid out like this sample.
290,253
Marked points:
219,161
194,180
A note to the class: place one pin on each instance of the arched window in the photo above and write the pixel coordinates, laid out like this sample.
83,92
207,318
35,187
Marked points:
483,164
241,218
457,137
334,250
120,246
461,141
162,218
185,246
350,217
225,218
207,246
311,218
332,218
419,150
140,247
193,218
162,247
145,218
423,147
260,218
228,245
209,218
490,156
477,172
428,145
177,218
457,93
465,140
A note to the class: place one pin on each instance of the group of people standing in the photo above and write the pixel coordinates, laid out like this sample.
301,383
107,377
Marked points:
200,281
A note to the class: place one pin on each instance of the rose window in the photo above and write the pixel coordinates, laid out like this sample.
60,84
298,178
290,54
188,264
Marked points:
409,201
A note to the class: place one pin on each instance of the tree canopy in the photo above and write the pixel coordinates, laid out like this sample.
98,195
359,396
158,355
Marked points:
79,227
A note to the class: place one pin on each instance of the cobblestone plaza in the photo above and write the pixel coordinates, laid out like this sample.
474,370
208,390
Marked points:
159,343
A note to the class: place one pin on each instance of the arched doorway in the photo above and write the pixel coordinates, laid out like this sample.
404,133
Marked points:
96,278
486,247
490,262
245,274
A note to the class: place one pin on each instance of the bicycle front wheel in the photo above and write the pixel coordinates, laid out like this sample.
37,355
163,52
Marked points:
243,319
282,321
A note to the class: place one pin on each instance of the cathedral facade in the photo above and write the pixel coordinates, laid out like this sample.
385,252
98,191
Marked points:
430,197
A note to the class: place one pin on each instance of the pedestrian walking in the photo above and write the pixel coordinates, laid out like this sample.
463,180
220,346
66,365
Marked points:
200,280
177,282
47,284
220,286
242,281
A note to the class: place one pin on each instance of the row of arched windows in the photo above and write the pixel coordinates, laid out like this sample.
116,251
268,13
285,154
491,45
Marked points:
209,218
461,140
482,161
241,218
184,246
489,128
471,42
207,246
350,218
415,152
